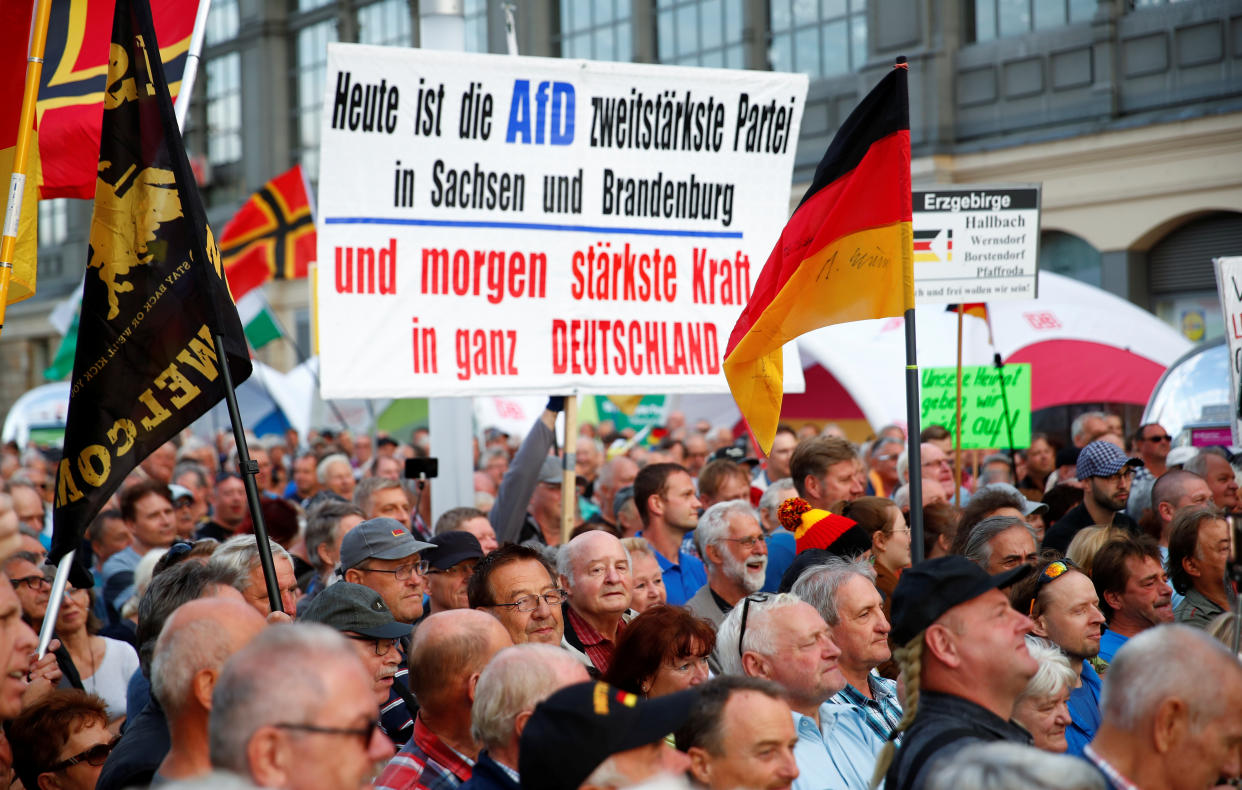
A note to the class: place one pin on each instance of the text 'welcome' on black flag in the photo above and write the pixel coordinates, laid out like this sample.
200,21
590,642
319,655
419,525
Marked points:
154,296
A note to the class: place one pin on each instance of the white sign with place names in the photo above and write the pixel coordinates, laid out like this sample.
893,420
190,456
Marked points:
975,243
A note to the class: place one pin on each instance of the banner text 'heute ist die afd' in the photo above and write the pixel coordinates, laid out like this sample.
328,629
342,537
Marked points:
492,224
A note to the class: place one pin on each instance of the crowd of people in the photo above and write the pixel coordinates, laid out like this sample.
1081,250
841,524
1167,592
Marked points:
715,620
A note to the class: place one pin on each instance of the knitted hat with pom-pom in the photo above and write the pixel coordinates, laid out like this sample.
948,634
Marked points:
820,529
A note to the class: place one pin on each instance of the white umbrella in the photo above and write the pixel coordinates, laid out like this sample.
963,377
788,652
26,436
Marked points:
1084,345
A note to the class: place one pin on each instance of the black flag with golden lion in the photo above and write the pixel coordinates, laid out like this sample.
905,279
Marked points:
154,296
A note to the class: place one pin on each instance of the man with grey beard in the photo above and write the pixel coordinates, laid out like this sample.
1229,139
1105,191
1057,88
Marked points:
730,541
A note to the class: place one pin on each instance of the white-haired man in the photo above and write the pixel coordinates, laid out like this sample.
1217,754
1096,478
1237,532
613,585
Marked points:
240,554
730,541
196,641
294,709
595,568
843,591
517,679
783,639
1172,712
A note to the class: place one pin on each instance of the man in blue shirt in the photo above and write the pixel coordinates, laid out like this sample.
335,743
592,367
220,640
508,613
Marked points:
1064,609
1133,588
666,502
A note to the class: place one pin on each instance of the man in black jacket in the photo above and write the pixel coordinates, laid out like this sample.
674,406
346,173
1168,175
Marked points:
962,650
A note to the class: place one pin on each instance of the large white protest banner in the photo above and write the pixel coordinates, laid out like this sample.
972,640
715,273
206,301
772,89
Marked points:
1229,285
976,243
501,225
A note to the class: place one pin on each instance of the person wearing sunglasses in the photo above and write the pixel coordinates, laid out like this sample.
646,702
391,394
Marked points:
294,709
61,741
1064,609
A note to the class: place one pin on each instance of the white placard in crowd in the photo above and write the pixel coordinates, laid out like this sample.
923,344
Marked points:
1229,284
976,243
492,224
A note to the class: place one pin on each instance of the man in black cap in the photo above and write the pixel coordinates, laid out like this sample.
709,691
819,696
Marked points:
1107,473
962,651
592,735
451,562
360,615
382,554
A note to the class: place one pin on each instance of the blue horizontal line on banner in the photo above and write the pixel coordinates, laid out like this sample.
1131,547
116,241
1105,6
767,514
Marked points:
460,223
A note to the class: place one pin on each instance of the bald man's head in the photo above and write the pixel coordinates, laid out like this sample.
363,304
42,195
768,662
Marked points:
448,652
192,648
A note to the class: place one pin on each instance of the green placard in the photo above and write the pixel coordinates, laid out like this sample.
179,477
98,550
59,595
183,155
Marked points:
983,415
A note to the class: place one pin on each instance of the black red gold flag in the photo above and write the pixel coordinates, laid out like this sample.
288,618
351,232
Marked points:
845,255
154,296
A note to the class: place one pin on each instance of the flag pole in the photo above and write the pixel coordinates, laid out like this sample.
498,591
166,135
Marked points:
1000,369
21,152
249,469
913,454
569,481
957,435
181,108
59,581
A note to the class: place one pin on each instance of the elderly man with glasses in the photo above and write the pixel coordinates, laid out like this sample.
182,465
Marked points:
783,639
730,541
382,554
516,585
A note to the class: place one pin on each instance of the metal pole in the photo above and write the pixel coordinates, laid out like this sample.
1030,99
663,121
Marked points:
569,480
248,470
53,603
957,436
915,465
1000,368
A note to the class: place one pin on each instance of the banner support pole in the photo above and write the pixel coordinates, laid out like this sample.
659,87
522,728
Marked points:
21,151
1000,370
59,583
957,435
249,469
569,481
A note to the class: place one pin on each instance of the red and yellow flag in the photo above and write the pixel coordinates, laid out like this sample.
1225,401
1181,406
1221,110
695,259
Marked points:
14,43
846,254
272,235
71,91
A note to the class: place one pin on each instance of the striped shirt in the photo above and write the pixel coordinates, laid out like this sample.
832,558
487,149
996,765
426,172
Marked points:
881,712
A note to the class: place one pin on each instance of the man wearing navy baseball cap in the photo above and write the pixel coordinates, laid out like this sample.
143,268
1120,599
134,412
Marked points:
1108,473
962,650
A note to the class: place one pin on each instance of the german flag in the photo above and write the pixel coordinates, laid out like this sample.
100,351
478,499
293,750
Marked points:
977,309
933,246
845,254
14,39
271,236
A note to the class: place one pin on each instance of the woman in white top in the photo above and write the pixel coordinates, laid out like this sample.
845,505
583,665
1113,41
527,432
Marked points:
103,664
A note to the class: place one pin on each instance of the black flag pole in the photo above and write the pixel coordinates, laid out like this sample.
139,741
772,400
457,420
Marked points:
249,469
1000,369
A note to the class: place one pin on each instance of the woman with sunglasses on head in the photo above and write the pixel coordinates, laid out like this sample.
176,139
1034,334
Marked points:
103,665
61,742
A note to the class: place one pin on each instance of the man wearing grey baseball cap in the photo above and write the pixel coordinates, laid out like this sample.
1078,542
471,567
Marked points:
381,554
360,615
962,652
1108,473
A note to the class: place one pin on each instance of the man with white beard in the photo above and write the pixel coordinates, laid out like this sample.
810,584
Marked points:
730,541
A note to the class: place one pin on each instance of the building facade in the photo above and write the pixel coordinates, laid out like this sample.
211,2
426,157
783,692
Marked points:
1129,112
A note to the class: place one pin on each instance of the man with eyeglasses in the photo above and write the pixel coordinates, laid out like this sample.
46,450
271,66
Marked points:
1064,607
184,671
295,709
451,563
32,587
360,615
1108,473
61,741
516,585
731,543
882,480
447,656
382,554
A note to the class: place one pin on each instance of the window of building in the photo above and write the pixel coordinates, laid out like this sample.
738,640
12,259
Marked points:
312,61
476,25
53,222
224,121
700,33
222,22
819,38
1002,18
1067,254
596,29
310,5
386,23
